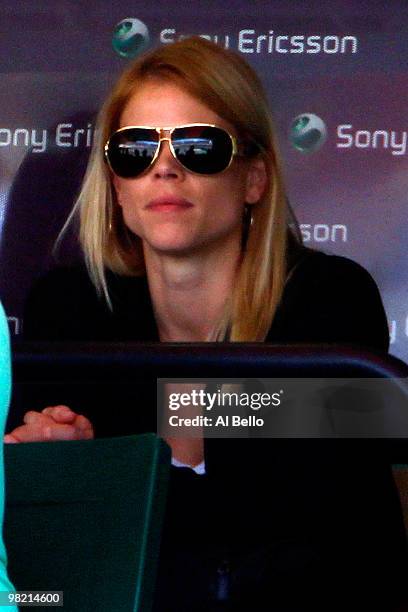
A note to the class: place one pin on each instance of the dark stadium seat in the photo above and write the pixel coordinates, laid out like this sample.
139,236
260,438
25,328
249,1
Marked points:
85,518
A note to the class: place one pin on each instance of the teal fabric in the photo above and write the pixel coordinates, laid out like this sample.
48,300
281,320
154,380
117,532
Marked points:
5,392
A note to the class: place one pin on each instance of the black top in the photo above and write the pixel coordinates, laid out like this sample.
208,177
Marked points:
327,299
284,525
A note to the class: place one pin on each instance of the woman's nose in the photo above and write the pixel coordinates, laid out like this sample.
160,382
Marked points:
166,165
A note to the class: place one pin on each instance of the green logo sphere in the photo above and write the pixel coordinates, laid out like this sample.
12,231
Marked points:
307,133
130,37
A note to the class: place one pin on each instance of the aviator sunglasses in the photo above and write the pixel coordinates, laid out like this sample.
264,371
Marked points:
201,148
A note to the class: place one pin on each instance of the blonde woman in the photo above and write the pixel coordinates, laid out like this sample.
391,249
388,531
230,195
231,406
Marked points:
187,236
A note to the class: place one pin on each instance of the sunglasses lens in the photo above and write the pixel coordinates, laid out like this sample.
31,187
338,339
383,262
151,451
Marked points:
130,152
202,149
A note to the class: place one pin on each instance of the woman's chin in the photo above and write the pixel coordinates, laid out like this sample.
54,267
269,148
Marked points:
183,244
175,247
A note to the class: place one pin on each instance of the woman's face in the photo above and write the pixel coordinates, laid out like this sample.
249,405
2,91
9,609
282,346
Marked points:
173,210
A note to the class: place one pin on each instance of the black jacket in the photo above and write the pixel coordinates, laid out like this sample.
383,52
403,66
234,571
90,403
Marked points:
327,299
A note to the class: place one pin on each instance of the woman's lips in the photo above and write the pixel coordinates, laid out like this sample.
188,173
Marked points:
168,204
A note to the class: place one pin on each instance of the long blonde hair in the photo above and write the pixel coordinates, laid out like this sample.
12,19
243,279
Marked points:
227,85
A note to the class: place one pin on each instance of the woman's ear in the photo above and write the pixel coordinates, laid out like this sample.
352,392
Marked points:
256,180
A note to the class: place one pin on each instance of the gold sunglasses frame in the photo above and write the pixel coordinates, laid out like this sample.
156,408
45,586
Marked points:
169,130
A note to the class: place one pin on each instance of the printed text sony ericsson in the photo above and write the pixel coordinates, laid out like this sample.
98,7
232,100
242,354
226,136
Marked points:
250,41
65,135
349,137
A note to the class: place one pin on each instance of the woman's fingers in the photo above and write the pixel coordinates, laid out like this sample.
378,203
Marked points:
61,414
49,425
42,431
64,414
84,427
36,419
55,432
10,439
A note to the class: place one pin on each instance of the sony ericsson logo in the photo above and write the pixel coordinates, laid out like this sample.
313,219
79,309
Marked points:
308,133
130,37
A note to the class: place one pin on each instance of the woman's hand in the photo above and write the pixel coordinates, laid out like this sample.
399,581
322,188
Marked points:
52,423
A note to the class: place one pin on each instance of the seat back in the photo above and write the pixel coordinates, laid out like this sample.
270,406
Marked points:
85,518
